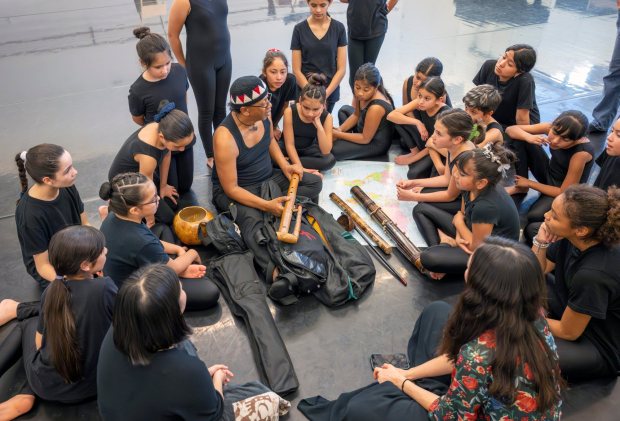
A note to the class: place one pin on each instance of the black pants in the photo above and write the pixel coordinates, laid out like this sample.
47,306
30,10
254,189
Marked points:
312,157
181,173
344,149
536,216
580,359
250,220
167,209
210,79
529,157
385,401
361,52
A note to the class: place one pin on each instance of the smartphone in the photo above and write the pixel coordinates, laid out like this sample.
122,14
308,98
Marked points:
397,360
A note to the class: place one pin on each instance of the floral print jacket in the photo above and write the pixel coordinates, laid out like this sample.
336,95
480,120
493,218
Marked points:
468,397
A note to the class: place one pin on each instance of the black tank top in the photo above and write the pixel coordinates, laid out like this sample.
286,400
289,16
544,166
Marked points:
125,161
207,30
253,164
305,133
384,125
560,160
495,125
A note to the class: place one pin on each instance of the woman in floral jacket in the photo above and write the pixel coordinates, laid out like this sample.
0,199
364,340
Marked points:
496,343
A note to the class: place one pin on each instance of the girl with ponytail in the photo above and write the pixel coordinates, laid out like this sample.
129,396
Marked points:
47,206
61,346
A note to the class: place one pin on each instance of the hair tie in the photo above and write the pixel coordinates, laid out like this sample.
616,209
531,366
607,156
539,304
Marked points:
488,152
164,111
274,50
22,156
474,133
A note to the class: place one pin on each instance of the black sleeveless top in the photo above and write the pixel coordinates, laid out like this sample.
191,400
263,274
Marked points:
560,160
495,125
207,30
124,160
305,133
410,85
253,164
385,125
428,120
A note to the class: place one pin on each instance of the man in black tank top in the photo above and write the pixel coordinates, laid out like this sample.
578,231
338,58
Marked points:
244,152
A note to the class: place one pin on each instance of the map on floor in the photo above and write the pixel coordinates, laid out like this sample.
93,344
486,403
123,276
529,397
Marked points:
378,180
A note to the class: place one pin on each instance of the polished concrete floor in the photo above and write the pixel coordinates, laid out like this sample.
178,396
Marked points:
66,68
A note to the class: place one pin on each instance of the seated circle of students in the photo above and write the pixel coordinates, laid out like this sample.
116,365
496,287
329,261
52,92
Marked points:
480,103
308,128
319,45
161,80
60,339
579,242
572,156
491,357
609,160
486,210
148,367
428,67
46,207
456,132
281,84
245,154
147,151
364,131
510,74
416,129
131,244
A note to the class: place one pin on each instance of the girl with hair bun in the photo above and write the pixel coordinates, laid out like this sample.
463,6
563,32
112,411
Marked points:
61,346
428,67
364,130
572,156
579,242
455,131
45,208
308,128
147,151
161,80
486,210
281,84
131,244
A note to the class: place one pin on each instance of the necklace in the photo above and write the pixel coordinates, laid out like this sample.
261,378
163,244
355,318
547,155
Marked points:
252,127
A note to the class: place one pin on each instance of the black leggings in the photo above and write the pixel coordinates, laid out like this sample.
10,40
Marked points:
361,52
210,80
536,216
167,209
529,157
343,149
181,173
312,158
410,138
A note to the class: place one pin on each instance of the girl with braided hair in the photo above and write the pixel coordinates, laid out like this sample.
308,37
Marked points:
45,208
61,346
131,244
308,128
486,209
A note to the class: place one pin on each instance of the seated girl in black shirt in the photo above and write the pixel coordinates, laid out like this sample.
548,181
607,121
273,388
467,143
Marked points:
609,160
572,156
428,67
131,245
149,368
281,84
61,346
486,210
455,131
364,131
161,80
416,129
480,103
51,204
308,128
579,242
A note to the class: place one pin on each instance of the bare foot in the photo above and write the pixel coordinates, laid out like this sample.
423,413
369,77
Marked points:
103,212
405,159
8,311
16,406
436,276
446,239
516,190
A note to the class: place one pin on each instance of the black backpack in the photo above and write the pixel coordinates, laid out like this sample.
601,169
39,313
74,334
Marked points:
222,233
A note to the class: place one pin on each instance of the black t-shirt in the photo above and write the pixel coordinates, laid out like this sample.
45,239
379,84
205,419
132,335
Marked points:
517,93
495,125
130,247
175,385
38,220
429,120
285,93
92,304
305,133
560,161
410,86
367,19
592,281
144,96
320,55
493,206
125,161
610,171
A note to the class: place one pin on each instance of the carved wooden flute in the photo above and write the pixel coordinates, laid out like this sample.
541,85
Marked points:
404,244
283,233
361,224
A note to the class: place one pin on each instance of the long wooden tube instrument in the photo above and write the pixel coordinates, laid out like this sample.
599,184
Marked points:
283,233
347,223
404,244
361,224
